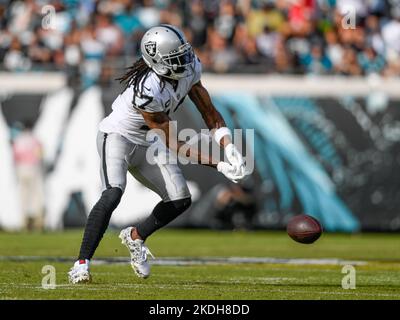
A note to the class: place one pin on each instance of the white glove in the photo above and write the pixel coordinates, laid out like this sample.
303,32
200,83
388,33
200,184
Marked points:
235,159
229,171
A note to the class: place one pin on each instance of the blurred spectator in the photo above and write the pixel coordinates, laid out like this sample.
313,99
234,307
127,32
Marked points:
225,22
197,24
266,16
374,35
93,51
391,37
316,62
223,56
370,61
148,14
349,65
28,162
252,56
334,49
226,206
283,59
127,20
108,34
73,54
15,59
267,41
94,38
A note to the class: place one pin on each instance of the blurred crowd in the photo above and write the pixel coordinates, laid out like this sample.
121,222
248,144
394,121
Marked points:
92,40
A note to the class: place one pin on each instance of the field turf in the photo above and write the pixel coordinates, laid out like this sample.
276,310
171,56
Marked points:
22,256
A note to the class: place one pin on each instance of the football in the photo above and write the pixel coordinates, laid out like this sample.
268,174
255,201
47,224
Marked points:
304,229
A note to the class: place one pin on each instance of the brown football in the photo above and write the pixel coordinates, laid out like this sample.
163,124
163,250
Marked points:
304,229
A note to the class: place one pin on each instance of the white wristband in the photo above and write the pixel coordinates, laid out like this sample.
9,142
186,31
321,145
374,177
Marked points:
222,132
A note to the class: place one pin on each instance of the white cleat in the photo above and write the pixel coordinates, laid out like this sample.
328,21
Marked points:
80,273
138,251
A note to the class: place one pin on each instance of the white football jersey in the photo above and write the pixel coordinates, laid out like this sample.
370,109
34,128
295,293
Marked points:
126,118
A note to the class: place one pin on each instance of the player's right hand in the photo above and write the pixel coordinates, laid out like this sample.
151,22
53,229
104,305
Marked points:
235,159
229,171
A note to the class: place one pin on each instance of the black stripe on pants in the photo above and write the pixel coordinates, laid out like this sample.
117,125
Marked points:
108,186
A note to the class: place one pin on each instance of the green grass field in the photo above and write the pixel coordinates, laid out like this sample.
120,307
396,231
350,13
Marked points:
377,278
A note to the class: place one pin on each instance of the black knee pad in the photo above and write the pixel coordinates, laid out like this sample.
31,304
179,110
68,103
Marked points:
163,213
168,211
110,198
182,204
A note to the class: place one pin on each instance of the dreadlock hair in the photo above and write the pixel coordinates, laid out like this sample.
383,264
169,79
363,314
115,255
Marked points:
135,74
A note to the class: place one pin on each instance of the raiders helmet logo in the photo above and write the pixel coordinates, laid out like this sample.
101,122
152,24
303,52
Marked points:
150,48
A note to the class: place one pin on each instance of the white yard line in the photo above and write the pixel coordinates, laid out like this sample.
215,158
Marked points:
176,261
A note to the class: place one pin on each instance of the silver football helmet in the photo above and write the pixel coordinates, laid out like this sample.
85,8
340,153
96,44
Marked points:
166,51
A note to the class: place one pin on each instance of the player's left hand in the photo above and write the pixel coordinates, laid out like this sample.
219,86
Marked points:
235,159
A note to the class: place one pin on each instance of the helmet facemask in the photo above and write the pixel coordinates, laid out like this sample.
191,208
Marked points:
179,60
176,65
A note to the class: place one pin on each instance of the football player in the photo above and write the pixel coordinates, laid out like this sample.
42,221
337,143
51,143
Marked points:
155,86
